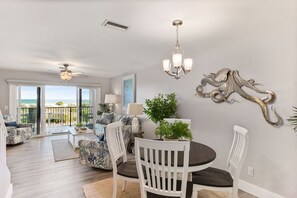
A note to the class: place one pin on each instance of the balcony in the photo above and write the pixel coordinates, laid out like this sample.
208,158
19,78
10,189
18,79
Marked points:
59,118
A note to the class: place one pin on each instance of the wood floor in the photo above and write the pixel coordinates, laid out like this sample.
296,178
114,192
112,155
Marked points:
35,174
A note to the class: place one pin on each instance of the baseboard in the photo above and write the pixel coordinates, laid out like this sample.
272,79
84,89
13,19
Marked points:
256,190
9,192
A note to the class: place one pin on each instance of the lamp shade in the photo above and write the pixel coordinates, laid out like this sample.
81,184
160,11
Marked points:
135,109
110,98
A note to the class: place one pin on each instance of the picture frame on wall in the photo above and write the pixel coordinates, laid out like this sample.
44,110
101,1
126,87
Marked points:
128,90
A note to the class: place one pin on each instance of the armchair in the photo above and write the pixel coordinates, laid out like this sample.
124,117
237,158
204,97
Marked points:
95,153
17,133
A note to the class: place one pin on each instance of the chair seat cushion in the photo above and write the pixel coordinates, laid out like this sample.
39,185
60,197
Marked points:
11,124
212,177
128,169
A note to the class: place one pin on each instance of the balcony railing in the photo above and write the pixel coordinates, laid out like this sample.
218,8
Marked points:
58,116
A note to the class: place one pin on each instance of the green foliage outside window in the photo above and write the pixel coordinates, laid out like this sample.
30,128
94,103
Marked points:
59,103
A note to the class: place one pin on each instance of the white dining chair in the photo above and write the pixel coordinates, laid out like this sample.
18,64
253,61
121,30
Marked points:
127,169
224,180
172,120
157,167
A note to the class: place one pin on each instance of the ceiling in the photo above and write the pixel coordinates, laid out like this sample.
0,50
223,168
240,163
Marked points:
40,35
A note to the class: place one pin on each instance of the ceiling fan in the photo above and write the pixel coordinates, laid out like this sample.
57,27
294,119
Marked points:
65,73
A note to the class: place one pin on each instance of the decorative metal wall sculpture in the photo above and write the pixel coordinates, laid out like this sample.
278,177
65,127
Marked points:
228,81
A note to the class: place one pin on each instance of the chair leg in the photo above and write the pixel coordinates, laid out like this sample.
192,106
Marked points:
124,185
114,187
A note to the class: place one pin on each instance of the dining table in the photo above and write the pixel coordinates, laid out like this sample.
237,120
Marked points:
201,157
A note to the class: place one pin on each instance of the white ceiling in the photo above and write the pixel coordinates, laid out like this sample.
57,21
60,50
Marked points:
40,35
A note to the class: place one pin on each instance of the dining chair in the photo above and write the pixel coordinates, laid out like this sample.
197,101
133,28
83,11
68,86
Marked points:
224,180
157,167
127,169
172,120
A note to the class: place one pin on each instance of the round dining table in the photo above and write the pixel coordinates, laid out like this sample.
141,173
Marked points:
201,157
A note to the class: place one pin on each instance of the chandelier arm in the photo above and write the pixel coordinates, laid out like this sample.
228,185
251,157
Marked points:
171,74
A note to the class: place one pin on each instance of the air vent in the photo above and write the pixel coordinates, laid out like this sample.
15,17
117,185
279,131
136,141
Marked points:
114,25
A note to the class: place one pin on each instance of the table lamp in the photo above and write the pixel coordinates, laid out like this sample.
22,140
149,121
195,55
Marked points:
135,109
110,99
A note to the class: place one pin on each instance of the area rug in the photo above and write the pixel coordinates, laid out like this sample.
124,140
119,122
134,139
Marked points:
103,189
63,150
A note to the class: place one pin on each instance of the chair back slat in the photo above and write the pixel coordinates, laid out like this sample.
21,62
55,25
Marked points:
238,151
115,142
158,167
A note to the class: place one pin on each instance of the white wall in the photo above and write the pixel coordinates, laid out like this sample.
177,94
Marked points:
34,76
267,55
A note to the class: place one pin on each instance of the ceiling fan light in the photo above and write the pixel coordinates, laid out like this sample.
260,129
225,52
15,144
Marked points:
66,75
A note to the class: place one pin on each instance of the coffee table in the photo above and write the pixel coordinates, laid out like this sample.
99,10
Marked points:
81,135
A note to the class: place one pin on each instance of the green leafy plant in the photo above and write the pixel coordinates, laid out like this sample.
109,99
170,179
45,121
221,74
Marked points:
176,130
79,124
161,106
293,119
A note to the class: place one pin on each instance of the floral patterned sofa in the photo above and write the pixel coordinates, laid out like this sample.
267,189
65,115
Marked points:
17,133
95,153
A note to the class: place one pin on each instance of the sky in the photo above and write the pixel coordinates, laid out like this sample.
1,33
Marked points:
53,93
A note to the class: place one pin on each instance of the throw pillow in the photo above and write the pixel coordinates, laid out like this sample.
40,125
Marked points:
101,137
117,117
125,119
106,118
11,124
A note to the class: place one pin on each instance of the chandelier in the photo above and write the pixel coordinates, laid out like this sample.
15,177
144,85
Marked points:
65,73
177,67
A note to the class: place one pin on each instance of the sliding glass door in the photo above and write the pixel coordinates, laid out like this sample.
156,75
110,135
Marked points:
53,108
29,106
85,101
60,108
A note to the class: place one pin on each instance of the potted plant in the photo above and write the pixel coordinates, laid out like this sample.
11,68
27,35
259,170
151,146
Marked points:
161,106
174,131
79,126
293,119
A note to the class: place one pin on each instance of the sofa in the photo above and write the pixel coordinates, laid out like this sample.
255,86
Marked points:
95,153
16,133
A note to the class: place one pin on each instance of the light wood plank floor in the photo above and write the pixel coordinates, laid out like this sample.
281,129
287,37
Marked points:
35,174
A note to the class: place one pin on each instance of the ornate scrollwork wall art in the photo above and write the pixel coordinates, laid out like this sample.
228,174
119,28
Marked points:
229,81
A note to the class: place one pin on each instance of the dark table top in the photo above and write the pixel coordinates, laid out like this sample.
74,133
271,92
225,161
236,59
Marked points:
200,154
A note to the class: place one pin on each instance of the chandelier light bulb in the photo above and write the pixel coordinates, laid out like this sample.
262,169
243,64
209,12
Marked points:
166,65
177,60
188,62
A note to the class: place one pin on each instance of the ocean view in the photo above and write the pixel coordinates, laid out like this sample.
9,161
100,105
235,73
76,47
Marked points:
51,102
